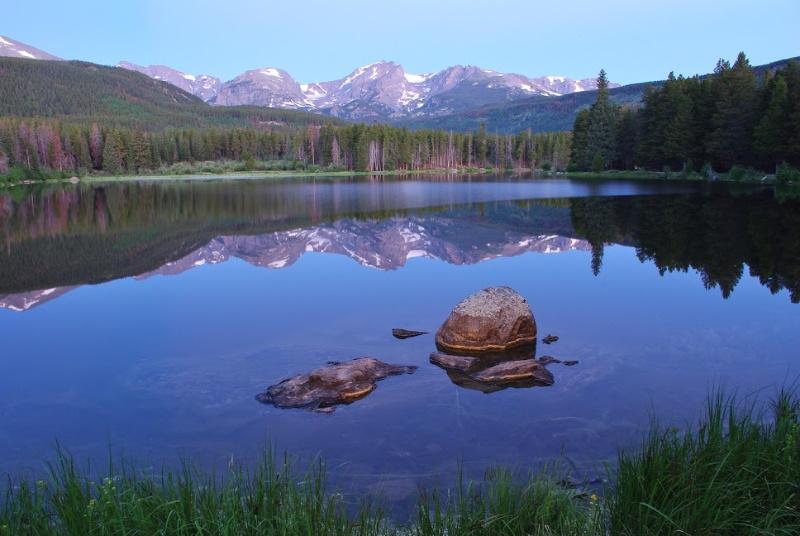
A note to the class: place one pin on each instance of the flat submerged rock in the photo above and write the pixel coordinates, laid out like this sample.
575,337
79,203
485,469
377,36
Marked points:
335,384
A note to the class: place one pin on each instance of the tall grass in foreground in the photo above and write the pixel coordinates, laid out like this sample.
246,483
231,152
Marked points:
272,500
739,473
505,506
269,500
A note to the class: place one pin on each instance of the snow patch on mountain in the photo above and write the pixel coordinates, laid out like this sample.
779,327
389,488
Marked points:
16,49
377,91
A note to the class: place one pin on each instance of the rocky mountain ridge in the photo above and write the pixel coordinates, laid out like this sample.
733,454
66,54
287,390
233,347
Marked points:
379,91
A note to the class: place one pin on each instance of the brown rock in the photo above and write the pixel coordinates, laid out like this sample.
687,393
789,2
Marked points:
399,333
454,362
547,360
524,370
495,319
335,384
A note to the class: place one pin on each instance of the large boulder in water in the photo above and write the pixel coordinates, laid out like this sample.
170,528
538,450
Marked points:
335,384
495,319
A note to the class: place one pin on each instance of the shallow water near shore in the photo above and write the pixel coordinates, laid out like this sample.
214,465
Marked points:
145,317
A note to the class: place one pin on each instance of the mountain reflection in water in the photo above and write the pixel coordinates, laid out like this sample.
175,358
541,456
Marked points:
60,238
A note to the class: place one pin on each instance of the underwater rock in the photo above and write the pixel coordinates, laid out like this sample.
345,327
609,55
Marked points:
332,385
495,319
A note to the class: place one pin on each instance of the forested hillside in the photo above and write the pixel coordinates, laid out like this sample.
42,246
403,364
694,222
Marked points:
79,92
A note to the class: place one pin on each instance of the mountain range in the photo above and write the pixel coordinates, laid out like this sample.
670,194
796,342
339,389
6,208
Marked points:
378,91
456,98
381,91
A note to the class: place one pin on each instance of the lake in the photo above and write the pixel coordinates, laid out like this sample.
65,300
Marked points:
144,317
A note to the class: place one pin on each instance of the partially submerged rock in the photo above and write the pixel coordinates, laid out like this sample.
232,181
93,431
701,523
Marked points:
518,374
332,385
495,373
492,374
495,319
399,333
516,371
455,362
550,339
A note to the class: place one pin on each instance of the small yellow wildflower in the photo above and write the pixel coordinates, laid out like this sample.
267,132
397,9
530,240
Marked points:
593,497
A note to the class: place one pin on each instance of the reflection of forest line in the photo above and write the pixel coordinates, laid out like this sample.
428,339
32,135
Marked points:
72,235
716,235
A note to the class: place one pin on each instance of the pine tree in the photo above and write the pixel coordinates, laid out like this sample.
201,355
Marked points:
730,142
792,76
580,139
600,139
771,133
113,153
627,134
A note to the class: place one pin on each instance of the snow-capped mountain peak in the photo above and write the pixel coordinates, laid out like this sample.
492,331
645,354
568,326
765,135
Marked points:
202,85
377,91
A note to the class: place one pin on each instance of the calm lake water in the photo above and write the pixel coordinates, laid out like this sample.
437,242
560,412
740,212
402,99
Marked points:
145,317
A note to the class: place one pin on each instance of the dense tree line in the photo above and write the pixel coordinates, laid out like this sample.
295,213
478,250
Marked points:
29,146
727,119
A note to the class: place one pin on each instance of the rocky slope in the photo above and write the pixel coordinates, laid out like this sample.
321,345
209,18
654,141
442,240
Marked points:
16,49
204,86
379,91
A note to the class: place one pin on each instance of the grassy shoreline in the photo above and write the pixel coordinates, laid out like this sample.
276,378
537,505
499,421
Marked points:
244,175
759,178
737,472
236,174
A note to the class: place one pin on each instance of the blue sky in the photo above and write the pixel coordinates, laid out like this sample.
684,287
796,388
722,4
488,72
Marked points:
323,40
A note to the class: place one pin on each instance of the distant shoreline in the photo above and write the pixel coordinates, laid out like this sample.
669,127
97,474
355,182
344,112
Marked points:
532,174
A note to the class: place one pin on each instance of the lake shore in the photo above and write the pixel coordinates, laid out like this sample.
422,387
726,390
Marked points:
256,174
638,175
644,175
